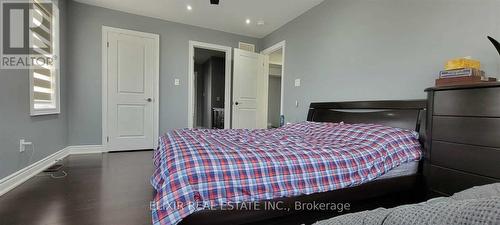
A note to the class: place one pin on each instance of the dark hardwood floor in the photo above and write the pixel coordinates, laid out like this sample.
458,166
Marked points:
110,189
105,189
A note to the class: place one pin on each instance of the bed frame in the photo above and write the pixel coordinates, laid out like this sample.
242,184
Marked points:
408,114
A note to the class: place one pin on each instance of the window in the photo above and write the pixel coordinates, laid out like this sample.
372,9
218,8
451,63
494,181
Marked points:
44,40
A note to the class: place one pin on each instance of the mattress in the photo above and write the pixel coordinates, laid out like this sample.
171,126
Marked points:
405,169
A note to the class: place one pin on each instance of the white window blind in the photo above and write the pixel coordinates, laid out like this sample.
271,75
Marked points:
44,40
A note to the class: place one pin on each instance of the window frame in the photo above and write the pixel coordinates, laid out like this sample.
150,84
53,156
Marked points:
55,70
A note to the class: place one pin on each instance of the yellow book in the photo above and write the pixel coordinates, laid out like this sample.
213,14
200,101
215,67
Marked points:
462,63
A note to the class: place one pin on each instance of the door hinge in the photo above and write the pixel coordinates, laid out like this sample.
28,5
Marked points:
107,44
107,139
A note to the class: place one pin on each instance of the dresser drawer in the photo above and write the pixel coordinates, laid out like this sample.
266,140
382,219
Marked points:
468,102
467,130
449,181
474,159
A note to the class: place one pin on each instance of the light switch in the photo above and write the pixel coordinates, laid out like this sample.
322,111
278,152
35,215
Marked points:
22,145
177,82
297,82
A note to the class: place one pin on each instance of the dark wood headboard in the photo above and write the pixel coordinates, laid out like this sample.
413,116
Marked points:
406,114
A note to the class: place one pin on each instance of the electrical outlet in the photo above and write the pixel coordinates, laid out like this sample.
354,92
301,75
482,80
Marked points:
297,82
177,82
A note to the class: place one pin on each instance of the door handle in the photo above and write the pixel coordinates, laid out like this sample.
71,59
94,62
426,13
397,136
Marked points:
149,99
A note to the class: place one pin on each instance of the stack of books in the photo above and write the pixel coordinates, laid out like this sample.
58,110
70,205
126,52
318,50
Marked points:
462,71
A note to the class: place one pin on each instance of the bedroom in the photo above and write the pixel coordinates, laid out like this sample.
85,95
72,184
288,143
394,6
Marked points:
334,51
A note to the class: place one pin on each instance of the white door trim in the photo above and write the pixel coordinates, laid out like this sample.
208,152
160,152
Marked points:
191,90
104,94
270,50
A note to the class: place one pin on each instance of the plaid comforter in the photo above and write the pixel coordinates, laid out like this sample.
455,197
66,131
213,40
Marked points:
199,168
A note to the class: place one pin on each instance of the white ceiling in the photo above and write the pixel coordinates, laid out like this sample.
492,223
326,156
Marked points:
229,15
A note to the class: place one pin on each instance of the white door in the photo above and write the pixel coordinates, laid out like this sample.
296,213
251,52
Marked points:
131,79
250,89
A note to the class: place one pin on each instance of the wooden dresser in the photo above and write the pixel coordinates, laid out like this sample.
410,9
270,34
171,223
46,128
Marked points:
463,138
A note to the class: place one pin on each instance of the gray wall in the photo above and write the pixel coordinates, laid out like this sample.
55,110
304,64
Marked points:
218,81
207,94
380,49
274,101
48,133
84,104
198,68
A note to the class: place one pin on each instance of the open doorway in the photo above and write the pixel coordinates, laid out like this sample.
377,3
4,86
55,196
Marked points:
275,92
209,86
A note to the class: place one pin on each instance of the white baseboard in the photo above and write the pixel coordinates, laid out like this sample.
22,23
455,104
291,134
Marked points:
86,149
10,182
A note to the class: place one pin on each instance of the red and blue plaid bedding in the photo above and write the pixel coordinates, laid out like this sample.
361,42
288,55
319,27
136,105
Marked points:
199,168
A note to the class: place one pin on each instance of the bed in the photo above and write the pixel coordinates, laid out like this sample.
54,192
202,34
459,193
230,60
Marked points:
346,152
